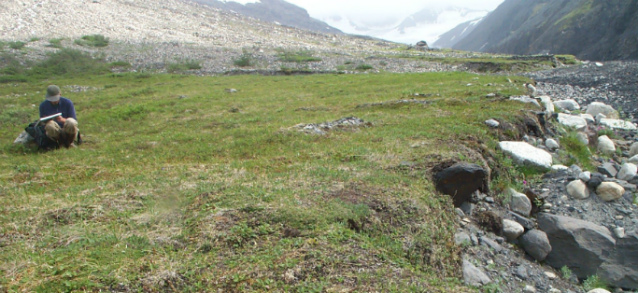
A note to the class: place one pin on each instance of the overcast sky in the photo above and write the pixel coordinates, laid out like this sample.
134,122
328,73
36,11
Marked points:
384,8
321,9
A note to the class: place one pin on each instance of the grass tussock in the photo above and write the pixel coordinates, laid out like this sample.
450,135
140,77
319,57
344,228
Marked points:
92,41
174,191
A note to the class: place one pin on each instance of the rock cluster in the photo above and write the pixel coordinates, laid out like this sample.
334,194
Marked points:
582,221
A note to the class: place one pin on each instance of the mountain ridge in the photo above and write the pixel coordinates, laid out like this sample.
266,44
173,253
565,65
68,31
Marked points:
586,29
278,11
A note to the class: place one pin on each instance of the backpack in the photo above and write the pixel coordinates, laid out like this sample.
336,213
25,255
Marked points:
36,130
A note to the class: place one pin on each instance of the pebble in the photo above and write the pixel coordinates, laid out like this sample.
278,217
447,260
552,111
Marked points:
619,232
550,275
529,289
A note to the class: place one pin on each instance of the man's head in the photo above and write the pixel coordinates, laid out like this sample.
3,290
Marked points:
53,94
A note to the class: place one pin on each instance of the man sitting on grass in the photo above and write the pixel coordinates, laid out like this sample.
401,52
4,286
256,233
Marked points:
62,129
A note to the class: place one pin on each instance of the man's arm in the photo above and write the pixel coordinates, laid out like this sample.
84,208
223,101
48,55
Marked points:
71,110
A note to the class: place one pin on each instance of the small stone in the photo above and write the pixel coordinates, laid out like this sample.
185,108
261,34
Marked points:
491,244
489,199
606,145
585,176
589,118
492,123
521,272
595,180
529,289
474,276
633,160
567,105
536,244
598,290
512,229
462,238
619,232
520,203
583,138
575,170
558,168
633,150
578,189
627,172
610,191
552,144
597,108
550,275
554,290
608,169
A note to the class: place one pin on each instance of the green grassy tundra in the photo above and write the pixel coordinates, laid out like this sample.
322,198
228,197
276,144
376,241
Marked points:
183,186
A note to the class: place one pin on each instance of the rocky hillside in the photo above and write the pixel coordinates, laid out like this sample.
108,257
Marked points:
591,30
153,21
274,11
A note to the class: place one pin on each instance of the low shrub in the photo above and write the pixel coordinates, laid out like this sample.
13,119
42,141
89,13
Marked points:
245,60
55,43
594,282
364,67
298,56
69,62
17,45
183,66
93,41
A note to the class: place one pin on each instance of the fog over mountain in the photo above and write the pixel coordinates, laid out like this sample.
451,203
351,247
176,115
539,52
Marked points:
427,24
403,21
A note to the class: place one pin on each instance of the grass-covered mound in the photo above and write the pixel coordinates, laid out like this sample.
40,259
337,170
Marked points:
182,185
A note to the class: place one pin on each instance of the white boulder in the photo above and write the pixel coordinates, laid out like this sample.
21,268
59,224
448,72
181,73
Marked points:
610,191
512,229
567,105
618,124
527,155
606,145
588,118
582,137
548,106
572,121
552,144
596,108
627,172
520,203
578,189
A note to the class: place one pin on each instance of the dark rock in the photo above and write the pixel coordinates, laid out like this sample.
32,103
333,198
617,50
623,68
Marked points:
580,245
536,244
521,272
474,276
467,208
461,180
596,180
491,244
608,169
621,270
525,222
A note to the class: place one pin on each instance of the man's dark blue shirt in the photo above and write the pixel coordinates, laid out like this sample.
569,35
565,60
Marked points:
65,106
